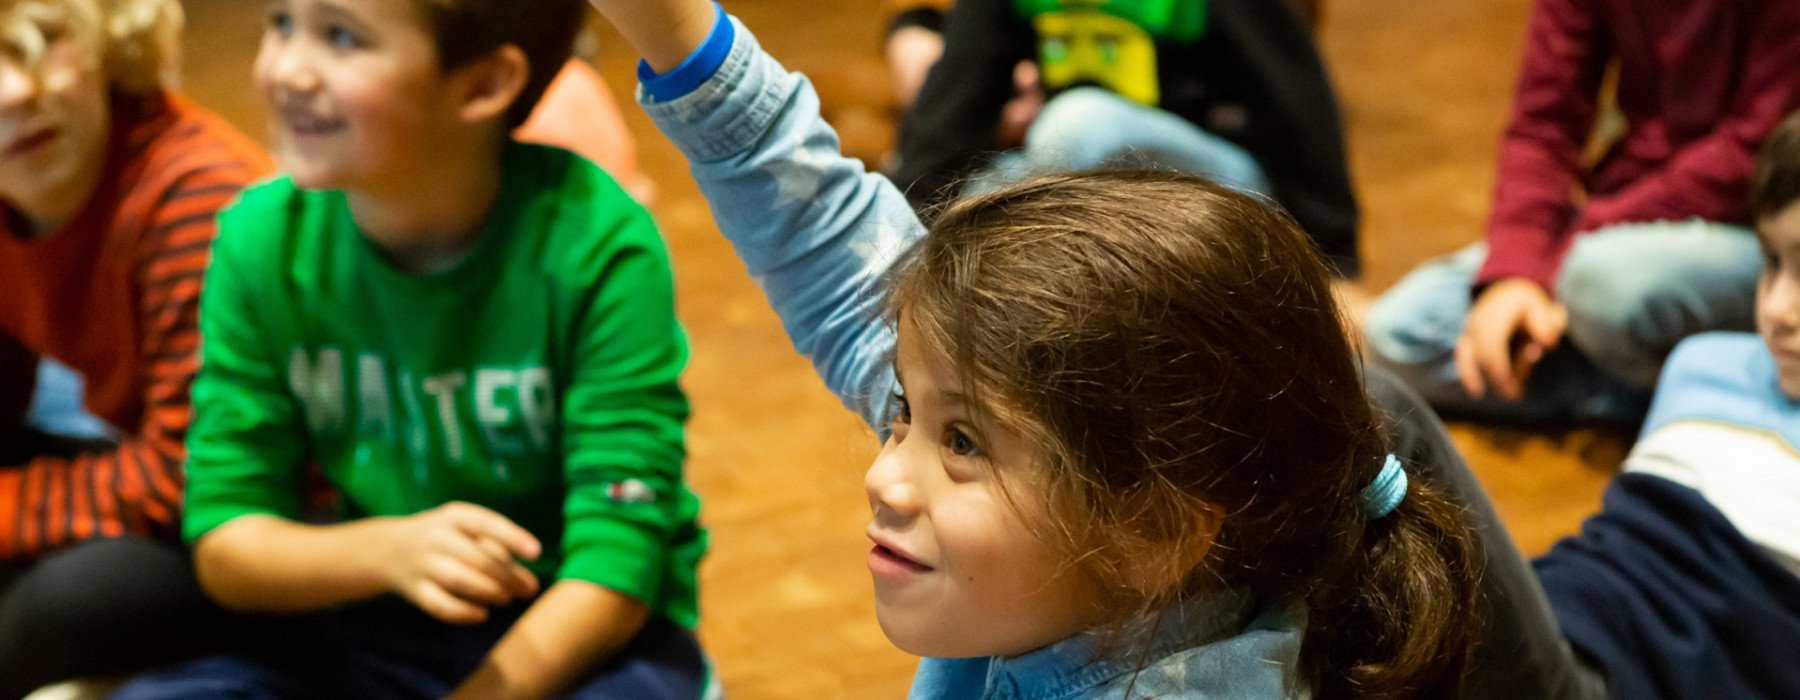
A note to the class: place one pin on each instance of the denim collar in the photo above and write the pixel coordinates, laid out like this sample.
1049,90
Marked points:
1068,669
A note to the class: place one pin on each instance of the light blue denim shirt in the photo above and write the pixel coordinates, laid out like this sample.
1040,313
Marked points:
818,234
1230,646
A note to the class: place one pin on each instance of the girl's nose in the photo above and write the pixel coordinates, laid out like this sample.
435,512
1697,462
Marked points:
891,492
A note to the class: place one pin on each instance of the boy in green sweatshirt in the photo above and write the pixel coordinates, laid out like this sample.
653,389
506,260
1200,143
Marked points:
475,341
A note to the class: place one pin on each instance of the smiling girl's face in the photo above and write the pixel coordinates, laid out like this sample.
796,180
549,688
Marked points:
958,571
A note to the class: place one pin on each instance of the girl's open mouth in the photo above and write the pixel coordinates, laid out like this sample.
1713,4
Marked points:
888,563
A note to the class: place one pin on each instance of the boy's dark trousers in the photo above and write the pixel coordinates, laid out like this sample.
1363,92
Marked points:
386,649
102,608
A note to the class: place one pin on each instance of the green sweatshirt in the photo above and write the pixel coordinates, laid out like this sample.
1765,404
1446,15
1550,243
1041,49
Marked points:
537,378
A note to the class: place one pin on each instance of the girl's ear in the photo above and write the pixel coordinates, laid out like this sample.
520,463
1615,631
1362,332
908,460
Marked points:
1179,555
488,87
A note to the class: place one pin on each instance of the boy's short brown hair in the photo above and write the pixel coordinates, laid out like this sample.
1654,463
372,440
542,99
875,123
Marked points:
467,30
137,41
1777,181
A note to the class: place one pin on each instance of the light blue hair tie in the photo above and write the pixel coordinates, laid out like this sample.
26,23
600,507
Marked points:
1387,491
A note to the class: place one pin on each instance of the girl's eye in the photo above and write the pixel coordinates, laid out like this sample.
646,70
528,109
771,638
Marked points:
342,38
1771,261
960,444
902,409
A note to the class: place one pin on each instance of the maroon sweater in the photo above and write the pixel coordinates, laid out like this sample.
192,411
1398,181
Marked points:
1701,82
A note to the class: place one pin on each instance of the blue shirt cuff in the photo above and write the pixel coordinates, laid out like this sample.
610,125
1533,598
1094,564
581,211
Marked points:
698,67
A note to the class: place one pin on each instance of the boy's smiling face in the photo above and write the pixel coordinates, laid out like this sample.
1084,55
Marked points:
354,89
957,570
1778,294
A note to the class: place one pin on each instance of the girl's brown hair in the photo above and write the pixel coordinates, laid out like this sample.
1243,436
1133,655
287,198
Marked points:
1176,350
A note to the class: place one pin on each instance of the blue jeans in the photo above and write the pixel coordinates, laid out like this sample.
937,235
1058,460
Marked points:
1087,128
1632,292
56,405
388,650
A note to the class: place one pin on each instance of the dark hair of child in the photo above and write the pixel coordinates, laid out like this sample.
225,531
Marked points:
1776,183
545,30
1174,349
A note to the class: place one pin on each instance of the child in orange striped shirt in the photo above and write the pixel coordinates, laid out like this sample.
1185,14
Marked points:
109,183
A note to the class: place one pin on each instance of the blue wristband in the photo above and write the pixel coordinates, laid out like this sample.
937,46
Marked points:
697,69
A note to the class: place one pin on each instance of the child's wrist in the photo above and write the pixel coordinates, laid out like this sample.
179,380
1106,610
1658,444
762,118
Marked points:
664,32
700,58
383,546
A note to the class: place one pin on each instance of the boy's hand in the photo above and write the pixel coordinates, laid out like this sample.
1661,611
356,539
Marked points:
1512,325
564,634
456,560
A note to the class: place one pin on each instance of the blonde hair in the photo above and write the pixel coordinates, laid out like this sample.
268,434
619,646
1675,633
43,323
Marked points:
138,42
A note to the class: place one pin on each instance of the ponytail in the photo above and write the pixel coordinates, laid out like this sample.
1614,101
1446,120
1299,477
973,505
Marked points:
1403,623
1174,348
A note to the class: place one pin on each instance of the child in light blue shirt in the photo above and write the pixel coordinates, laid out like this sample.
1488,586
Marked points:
1100,480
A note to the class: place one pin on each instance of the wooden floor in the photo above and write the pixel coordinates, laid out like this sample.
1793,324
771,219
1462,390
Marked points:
787,607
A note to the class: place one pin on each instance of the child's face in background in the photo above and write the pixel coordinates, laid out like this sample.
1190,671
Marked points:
958,572
1778,294
54,123
354,90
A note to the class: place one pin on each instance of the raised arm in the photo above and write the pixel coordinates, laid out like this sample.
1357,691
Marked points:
816,231
665,32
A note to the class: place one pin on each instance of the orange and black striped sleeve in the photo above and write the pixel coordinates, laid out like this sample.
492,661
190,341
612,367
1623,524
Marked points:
137,488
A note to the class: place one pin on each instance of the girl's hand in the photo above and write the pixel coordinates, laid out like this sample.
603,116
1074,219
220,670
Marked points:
665,32
457,560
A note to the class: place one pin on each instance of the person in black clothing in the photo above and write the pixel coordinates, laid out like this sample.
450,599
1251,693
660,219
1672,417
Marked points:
1233,89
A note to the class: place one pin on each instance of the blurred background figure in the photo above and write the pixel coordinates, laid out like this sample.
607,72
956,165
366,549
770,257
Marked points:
108,185
1593,269
1229,89
579,113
